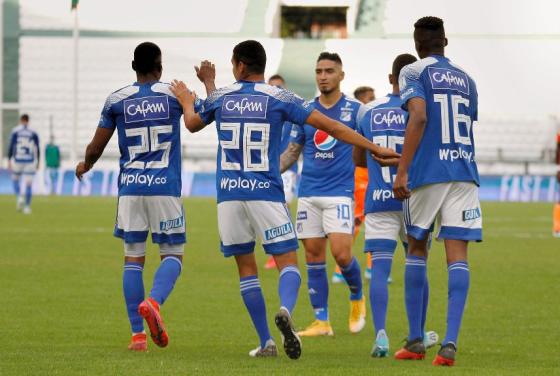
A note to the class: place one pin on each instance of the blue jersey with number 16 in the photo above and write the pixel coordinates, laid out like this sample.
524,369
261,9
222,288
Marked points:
147,117
383,122
250,117
446,151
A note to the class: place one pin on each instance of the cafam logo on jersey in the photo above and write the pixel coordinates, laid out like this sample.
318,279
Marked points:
443,78
245,106
388,118
146,108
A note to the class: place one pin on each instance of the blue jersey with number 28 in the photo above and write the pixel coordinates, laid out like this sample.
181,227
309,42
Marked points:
249,119
147,117
446,151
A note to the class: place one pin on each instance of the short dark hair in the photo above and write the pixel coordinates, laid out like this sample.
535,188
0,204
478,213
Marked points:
146,57
332,56
362,90
276,77
24,117
400,62
252,54
429,31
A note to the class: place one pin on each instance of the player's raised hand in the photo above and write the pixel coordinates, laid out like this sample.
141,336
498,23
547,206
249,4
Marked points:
400,186
182,92
206,72
81,169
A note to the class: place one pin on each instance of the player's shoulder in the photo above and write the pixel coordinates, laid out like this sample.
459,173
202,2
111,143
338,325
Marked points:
162,88
221,92
415,70
352,102
458,67
17,129
368,107
121,94
278,93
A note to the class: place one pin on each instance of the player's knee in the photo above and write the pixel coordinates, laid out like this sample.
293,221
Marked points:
176,250
136,250
343,258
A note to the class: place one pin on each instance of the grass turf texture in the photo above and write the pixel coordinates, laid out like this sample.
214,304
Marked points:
63,311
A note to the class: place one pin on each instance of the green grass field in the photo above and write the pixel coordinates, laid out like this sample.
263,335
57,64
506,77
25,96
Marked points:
63,311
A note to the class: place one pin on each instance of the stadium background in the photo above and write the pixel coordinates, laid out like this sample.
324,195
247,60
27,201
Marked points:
59,273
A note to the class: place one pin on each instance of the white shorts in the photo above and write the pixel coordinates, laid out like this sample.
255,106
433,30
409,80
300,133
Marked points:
240,222
19,169
455,204
319,216
289,180
162,215
383,230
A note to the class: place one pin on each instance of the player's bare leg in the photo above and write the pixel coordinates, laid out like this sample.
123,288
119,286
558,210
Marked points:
341,249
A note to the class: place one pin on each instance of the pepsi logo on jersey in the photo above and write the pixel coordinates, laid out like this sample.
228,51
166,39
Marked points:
324,142
442,78
246,106
146,108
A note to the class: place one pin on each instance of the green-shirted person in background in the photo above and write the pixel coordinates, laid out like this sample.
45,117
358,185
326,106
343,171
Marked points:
52,157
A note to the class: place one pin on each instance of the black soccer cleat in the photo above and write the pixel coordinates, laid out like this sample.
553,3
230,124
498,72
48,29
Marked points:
290,339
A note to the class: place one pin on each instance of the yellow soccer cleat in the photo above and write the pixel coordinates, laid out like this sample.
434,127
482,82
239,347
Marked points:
317,328
357,319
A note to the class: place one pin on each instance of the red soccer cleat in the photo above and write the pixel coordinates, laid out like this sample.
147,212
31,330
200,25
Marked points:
412,350
138,343
149,310
445,356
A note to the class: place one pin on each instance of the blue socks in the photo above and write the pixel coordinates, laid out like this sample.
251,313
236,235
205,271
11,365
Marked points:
458,288
425,299
288,287
16,187
318,287
164,280
254,301
353,276
133,288
378,291
28,195
414,281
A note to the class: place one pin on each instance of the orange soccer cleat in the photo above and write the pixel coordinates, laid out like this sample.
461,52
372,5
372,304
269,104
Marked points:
149,310
138,342
412,350
445,355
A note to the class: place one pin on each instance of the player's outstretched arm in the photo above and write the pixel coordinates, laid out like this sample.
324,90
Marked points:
206,73
290,156
359,157
186,98
94,150
412,136
384,156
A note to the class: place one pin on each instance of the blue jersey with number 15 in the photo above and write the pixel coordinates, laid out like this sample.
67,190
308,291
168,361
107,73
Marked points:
250,117
383,122
446,151
147,120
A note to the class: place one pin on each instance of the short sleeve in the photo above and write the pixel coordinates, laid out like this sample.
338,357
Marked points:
207,110
475,104
107,119
198,104
410,85
297,135
298,111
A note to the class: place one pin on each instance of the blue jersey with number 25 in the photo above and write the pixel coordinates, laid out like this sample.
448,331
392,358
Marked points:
147,120
446,151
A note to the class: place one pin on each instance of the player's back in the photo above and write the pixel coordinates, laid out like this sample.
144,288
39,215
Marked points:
24,144
446,151
328,168
147,120
383,122
249,119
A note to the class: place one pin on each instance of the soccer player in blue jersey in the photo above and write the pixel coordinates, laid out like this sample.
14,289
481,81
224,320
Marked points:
325,207
23,162
437,177
146,116
289,177
249,116
384,122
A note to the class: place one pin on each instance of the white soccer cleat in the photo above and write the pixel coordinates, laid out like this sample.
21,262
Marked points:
26,210
19,203
430,339
269,350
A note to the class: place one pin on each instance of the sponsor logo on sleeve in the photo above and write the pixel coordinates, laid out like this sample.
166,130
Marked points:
471,214
146,108
388,118
443,78
276,232
245,106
